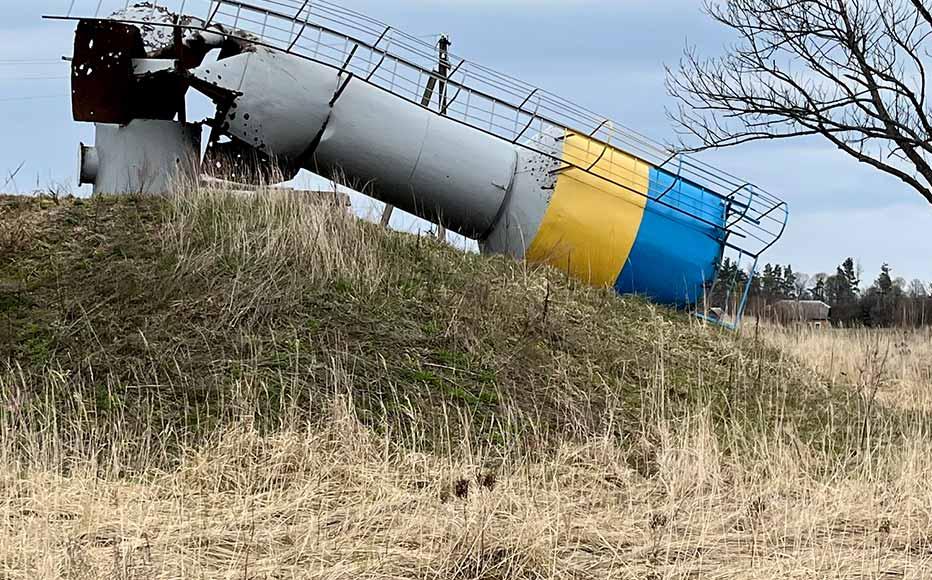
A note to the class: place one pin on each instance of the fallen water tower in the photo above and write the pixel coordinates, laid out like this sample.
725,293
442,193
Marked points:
314,85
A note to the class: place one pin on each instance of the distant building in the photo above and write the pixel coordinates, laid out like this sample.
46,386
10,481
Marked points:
812,312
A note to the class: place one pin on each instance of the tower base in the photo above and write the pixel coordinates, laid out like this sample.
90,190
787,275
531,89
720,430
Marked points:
146,157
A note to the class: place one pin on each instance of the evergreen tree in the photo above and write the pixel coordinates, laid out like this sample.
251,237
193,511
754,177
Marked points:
728,273
730,282
767,281
818,289
755,284
788,286
777,289
880,303
842,288
884,283
852,276
837,289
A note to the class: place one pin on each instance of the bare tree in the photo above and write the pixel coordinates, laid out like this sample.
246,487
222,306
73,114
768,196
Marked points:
917,289
801,282
851,71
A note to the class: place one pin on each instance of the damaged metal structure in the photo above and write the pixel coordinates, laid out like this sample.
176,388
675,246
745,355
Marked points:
302,84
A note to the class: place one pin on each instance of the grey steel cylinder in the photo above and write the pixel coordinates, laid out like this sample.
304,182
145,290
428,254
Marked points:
144,157
300,112
425,164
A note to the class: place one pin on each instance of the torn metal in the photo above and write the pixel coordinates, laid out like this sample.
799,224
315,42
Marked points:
135,68
276,114
306,85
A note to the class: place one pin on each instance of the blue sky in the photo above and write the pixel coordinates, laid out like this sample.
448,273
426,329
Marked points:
606,55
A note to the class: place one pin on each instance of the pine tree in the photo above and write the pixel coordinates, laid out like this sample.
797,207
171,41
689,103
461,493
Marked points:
880,302
853,278
818,290
837,289
777,290
841,288
755,290
788,287
884,283
768,282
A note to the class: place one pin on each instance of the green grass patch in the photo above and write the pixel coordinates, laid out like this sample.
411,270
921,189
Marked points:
182,315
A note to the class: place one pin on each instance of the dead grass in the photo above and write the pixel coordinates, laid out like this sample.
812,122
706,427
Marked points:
215,386
897,363
337,500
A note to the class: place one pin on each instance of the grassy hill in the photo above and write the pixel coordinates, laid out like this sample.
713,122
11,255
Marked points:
213,350
196,300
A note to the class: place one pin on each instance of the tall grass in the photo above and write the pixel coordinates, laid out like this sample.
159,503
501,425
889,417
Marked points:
897,363
335,499
650,495
273,241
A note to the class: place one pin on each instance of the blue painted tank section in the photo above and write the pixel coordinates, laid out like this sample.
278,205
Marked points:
674,255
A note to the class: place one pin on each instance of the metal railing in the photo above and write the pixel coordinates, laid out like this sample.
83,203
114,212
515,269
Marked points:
747,219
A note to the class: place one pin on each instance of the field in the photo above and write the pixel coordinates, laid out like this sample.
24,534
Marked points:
892,366
212,386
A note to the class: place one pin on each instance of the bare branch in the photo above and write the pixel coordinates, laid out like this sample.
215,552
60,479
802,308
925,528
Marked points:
851,71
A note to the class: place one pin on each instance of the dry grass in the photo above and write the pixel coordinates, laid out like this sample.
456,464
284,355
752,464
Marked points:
661,448
335,500
896,363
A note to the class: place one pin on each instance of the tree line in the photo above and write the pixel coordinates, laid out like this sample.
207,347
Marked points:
888,301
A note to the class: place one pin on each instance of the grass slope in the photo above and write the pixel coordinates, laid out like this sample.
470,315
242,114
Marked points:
222,386
189,299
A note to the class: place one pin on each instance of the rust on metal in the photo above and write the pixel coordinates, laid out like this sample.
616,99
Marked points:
102,71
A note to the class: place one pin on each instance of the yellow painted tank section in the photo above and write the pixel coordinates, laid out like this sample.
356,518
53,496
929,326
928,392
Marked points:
590,225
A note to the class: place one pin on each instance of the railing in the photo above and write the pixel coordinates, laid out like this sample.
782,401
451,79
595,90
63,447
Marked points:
368,50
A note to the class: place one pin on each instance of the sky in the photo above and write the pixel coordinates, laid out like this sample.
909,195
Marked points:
607,55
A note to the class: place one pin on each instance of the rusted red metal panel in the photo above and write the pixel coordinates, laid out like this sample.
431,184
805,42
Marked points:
102,71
